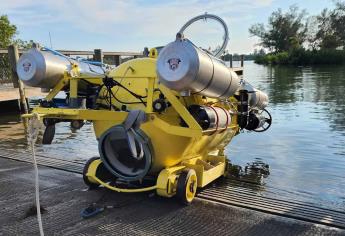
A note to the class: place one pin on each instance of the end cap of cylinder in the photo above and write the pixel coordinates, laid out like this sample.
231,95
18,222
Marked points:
31,67
177,64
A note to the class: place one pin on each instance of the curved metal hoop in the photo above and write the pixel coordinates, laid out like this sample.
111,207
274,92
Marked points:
214,17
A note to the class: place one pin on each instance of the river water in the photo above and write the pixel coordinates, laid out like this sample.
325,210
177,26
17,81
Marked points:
304,148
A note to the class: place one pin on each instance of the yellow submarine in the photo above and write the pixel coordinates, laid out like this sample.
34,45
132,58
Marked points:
162,121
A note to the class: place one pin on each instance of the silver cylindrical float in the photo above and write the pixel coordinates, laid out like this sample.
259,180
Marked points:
45,69
258,99
210,117
182,66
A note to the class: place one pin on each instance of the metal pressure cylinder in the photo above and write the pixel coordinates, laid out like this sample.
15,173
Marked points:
210,117
182,66
258,99
44,69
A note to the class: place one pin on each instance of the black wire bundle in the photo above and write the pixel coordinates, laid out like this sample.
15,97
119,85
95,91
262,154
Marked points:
109,83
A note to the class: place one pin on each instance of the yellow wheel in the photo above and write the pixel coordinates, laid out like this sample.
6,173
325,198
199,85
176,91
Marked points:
186,186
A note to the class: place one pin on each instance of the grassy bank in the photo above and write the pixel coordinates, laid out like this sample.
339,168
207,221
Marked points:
303,57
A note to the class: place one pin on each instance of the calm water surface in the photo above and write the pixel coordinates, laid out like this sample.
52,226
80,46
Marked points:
305,147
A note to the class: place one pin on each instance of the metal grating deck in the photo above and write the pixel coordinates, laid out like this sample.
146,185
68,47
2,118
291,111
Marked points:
226,192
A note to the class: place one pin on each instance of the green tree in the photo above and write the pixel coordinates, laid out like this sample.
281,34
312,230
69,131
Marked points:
23,44
331,27
338,22
313,29
330,41
7,32
283,31
326,35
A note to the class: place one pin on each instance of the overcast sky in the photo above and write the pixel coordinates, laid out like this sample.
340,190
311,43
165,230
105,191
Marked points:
131,25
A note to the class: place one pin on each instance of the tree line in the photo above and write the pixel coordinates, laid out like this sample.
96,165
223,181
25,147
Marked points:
293,38
8,33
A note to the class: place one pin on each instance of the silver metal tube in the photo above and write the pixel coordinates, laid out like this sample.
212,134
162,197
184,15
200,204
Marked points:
182,66
221,118
257,98
44,69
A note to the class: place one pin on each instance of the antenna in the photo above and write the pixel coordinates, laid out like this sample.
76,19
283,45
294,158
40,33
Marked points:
50,39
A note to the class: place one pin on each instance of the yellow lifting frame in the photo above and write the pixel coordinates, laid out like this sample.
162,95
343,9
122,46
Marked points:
78,114
150,90
180,109
194,129
73,87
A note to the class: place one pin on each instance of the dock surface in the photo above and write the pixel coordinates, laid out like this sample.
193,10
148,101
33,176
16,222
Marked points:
8,93
64,195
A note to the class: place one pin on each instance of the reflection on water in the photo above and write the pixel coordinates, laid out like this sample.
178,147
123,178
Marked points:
68,143
304,148
254,172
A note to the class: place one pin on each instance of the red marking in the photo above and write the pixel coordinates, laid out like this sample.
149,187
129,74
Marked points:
217,123
227,118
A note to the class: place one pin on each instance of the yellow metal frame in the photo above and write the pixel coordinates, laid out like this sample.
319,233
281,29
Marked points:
193,130
91,175
207,170
77,114
62,83
167,181
92,170
207,167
